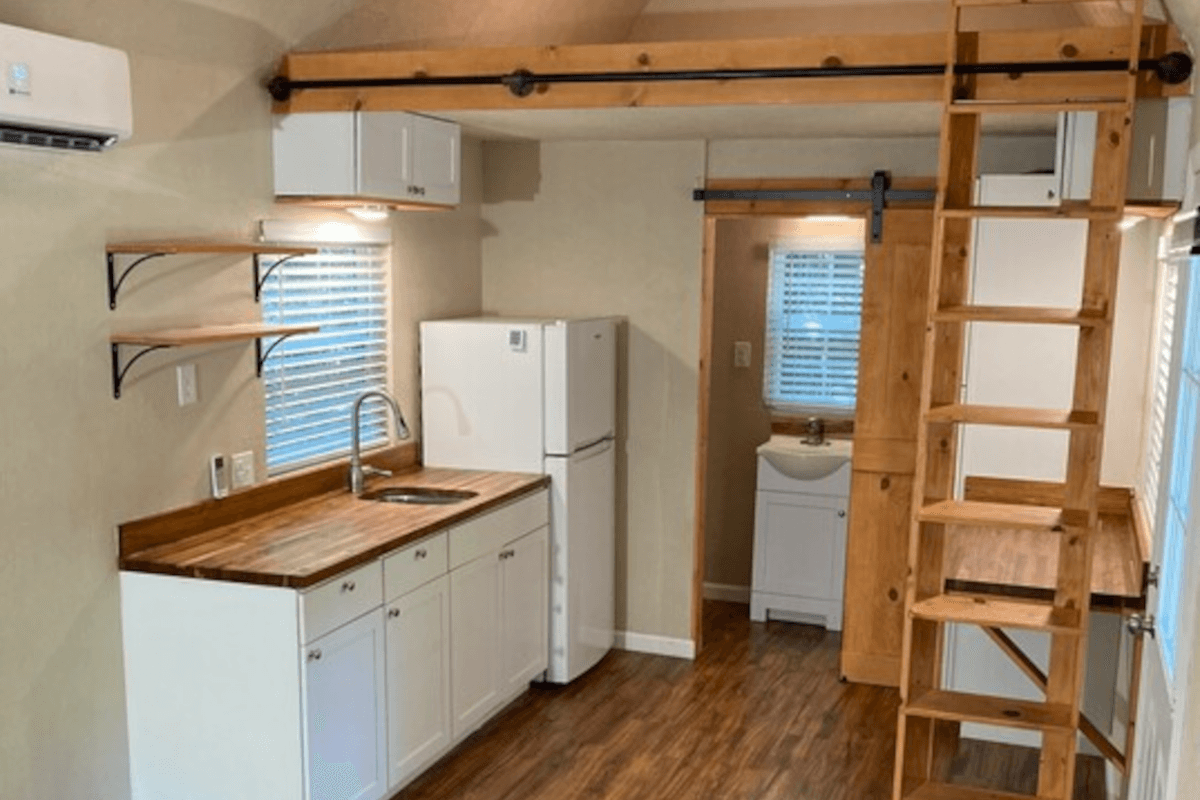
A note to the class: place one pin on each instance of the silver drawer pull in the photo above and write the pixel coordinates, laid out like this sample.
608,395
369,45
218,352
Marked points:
393,613
348,586
314,655
420,554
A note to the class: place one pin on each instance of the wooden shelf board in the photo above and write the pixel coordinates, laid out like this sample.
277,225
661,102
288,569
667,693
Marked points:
208,334
996,515
1155,209
177,246
997,107
1011,3
1012,416
1065,211
952,791
987,710
1032,315
997,613
355,201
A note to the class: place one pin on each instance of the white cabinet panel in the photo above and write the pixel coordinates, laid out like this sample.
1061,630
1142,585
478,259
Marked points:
345,734
474,641
385,143
524,571
335,602
435,160
418,679
315,154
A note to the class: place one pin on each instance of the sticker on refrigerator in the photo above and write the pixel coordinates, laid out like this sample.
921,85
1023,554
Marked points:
517,340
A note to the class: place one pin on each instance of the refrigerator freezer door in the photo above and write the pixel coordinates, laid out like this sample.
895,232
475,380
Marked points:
583,582
481,395
581,383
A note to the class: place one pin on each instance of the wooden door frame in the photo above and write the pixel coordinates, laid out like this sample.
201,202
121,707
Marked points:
715,211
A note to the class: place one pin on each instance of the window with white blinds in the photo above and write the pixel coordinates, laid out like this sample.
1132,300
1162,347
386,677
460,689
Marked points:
814,310
311,381
1159,387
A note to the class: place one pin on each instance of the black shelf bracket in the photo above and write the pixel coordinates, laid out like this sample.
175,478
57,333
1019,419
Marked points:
879,196
261,355
261,280
119,372
114,282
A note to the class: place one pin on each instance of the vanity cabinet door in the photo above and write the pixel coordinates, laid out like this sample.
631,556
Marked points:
418,678
475,641
524,577
345,732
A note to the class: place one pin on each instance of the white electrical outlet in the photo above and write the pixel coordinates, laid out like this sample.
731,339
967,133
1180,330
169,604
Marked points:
243,469
741,354
185,379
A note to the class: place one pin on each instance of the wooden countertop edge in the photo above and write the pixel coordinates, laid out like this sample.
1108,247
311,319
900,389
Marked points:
136,562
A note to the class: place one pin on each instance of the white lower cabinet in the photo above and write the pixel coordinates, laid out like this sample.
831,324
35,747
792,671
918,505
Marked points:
344,728
524,587
418,679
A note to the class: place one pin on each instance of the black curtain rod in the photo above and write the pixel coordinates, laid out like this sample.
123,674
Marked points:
1171,68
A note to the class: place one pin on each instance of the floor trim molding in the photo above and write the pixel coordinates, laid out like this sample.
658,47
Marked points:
727,592
656,645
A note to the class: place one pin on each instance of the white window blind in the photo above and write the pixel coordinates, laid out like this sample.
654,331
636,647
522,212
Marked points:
1159,388
310,381
814,310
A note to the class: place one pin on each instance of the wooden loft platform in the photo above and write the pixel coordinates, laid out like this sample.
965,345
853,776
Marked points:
1064,45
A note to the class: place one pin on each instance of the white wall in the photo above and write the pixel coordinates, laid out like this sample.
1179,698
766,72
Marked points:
76,462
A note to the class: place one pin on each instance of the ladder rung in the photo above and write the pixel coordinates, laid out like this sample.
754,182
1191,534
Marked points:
978,3
1012,416
988,107
1035,315
992,612
1065,211
1001,515
988,710
953,791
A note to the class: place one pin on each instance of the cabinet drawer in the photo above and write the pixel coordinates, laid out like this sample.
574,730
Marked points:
337,601
415,565
496,528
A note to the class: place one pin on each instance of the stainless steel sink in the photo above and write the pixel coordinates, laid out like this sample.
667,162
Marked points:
419,495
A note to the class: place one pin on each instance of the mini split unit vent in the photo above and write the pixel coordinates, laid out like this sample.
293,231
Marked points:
62,93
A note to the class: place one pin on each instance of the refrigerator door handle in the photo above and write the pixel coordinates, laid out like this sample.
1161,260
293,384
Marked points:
601,445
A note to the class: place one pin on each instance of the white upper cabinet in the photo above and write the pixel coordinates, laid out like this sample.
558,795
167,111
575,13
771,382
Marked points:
372,156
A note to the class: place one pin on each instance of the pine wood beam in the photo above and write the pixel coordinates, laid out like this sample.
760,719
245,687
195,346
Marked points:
889,50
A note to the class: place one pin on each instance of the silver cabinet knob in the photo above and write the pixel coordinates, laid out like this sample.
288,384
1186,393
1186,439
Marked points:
348,586
506,554
393,613
314,655
1139,624
841,513
419,554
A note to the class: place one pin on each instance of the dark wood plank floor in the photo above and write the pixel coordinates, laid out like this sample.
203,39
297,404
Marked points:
759,716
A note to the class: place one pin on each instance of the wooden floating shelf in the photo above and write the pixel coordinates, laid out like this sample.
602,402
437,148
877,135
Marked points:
963,707
999,107
1065,211
209,334
1000,515
955,791
995,613
1032,315
178,246
1013,416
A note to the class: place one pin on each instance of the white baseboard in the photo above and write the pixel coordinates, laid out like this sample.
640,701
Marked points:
728,592
657,645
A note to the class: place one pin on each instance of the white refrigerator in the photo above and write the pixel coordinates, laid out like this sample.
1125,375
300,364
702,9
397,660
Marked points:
538,396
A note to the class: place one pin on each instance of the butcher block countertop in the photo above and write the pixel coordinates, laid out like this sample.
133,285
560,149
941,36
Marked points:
311,540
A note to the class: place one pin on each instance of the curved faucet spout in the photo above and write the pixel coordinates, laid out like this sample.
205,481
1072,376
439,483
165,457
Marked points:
357,473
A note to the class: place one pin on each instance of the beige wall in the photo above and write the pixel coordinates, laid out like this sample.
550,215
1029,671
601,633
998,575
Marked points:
76,461
578,229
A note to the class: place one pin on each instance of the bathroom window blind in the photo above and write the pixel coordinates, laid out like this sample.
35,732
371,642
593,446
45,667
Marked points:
310,381
814,310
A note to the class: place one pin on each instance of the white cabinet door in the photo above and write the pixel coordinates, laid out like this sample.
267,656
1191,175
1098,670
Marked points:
315,154
385,144
435,160
418,678
345,734
799,547
524,580
474,641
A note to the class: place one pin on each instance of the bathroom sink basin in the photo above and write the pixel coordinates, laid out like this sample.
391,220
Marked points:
419,495
805,462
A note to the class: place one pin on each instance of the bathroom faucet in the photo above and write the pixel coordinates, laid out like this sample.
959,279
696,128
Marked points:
358,472
815,431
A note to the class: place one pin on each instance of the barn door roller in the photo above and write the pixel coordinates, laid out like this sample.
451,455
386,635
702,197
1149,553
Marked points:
879,196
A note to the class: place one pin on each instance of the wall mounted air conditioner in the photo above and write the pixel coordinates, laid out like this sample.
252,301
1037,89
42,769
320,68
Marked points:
62,93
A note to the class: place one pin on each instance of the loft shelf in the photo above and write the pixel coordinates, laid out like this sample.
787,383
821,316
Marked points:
148,250
149,341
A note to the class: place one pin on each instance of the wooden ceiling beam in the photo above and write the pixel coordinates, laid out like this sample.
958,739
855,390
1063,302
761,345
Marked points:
1078,44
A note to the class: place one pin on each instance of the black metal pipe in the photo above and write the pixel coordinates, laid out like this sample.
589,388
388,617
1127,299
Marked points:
1171,68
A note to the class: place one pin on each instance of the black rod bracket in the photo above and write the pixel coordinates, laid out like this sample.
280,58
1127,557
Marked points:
114,282
119,372
261,280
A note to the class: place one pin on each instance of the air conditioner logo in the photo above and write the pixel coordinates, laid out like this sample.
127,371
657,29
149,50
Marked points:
19,81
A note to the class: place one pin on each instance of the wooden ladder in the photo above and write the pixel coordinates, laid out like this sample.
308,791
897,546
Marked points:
930,715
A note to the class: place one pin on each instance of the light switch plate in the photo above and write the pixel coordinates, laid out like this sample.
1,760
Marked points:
243,469
741,354
185,380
